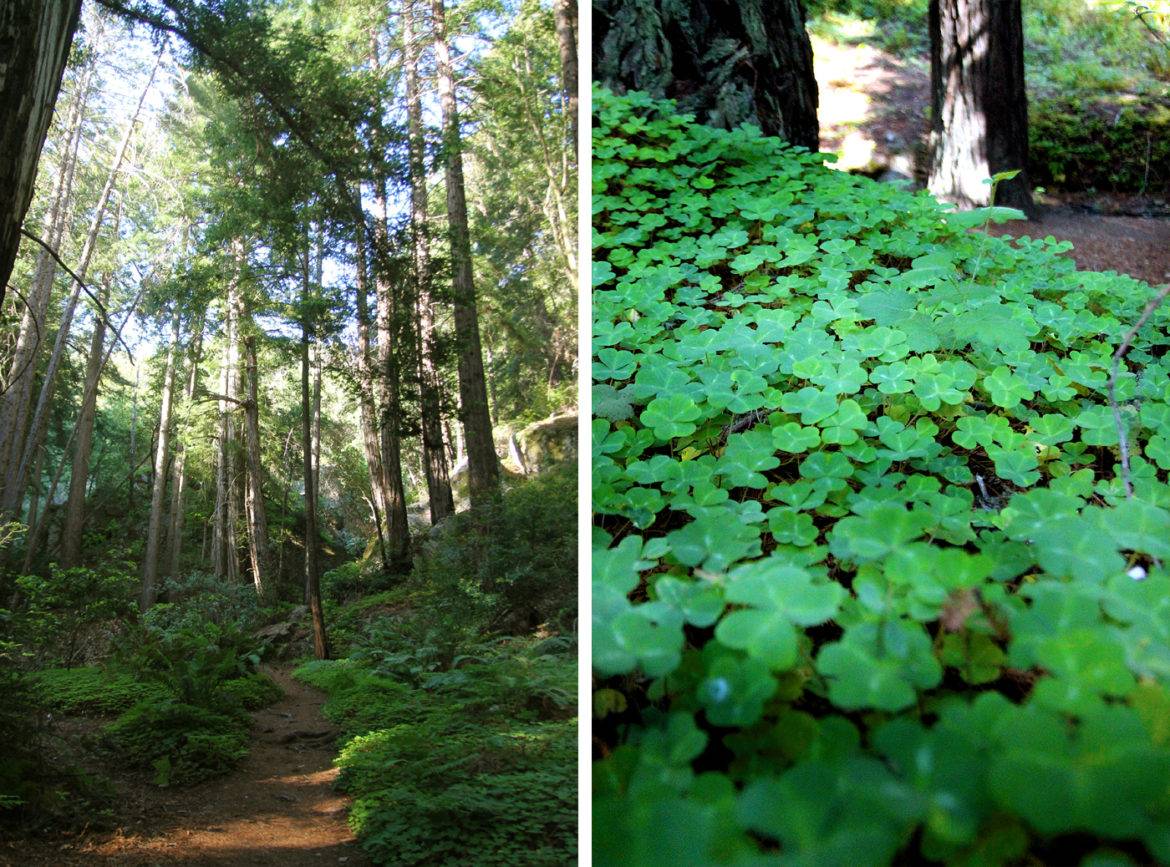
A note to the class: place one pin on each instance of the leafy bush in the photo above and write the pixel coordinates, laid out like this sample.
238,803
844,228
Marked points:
250,691
198,598
66,616
449,770
514,559
867,583
180,742
90,690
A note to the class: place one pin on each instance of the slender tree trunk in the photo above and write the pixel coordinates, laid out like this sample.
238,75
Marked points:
35,38
179,465
225,562
150,560
368,419
312,564
483,465
979,105
258,544
726,61
566,18
442,503
79,477
17,473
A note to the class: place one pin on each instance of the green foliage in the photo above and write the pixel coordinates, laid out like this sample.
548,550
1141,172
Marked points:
181,743
513,560
867,585
479,758
66,615
90,690
251,691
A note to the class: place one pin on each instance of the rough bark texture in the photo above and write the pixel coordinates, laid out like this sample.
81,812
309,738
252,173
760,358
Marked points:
979,107
727,61
442,502
150,559
312,562
483,467
566,18
35,37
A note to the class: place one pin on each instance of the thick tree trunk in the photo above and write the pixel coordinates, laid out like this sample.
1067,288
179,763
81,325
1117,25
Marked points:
35,38
150,560
179,465
17,472
566,18
727,61
17,397
259,548
442,503
979,106
312,540
483,465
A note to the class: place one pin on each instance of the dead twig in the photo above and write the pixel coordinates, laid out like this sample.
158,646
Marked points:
1126,344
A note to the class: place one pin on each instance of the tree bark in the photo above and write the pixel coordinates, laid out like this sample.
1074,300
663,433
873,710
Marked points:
224,555
483,465
150,560
442,502
726,61
312,564
35,38
566,20
979,106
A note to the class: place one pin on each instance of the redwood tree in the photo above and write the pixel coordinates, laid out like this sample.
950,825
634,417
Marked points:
727,61
35,37
979,107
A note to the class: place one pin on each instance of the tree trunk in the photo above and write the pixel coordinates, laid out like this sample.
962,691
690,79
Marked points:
368,417
442,503
79,476
727,61
179,466
17,471
224,555
35,38
979,107
312,564
566,18
150,560
483,465
259,548
17,397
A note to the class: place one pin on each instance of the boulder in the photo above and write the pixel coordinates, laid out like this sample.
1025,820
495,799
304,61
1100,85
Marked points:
548,442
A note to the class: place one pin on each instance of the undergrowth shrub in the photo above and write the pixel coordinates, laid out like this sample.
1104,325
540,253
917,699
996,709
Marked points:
90,690
514,559
250,691
182,743
868,583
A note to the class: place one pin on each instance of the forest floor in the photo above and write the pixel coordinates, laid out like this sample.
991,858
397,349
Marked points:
873,113
277,808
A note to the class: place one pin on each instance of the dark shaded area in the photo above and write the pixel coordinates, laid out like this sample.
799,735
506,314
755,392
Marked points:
729,62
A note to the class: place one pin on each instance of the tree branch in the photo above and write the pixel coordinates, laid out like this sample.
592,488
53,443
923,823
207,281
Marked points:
102,312
32,355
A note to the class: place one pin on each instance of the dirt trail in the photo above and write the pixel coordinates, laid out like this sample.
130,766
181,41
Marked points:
277,808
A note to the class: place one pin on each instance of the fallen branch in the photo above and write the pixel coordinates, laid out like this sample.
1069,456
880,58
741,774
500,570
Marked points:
1126,345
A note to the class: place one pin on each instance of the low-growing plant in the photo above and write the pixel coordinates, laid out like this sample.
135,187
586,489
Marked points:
90,690
881,520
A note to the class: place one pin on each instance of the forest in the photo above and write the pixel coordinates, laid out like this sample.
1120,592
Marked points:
880,429
288,414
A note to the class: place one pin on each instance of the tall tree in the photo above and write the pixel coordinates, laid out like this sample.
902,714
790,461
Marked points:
727,61
979,107
566,12
312,532
259,550
483,468
441,501
150,559
182,449
35,37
